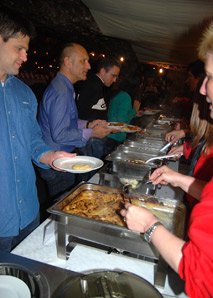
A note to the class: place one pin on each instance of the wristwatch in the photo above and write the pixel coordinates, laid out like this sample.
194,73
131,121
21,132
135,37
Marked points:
149,232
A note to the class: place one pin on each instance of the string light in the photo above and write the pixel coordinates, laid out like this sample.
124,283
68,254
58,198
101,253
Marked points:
122,59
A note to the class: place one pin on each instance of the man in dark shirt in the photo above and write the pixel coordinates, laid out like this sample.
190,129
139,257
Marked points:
92,100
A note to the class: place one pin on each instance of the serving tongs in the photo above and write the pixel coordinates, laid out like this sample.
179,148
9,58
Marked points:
163,157
165,147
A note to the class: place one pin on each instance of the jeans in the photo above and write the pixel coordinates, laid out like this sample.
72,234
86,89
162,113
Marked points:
111,145
8,243
94,147
57,182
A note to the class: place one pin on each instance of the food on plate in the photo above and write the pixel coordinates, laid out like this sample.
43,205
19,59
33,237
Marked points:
81,167
131,128
116,124
103,206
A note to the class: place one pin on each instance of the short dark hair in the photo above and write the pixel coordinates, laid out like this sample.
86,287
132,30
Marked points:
108,63
11,24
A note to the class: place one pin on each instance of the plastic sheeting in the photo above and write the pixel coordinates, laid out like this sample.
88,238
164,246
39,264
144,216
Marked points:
159,30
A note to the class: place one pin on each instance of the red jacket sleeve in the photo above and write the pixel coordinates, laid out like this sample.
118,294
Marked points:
196,265
187,150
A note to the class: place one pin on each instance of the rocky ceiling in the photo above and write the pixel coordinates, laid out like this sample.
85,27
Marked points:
58,21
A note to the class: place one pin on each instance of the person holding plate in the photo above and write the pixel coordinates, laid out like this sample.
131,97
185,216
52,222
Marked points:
58,116
21,139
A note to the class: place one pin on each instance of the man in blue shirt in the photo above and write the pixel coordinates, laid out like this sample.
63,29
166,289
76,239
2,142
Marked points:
58,115
20,140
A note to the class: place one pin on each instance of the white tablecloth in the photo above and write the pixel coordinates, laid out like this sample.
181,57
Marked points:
41,247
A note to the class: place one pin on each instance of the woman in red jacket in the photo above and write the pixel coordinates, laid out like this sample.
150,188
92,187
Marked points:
193,260
200,150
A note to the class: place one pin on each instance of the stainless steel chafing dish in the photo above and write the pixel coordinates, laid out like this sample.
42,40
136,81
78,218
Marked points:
112,236
154,132
143,149
132,159
163,124
109,234
143,142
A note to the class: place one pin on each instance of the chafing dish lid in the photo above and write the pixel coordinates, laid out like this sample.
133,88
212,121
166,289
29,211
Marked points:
108,284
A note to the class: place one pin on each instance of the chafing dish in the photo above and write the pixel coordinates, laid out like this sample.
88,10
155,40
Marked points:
154,132
150,142
172,212
163,124
131,159
143,149
116,284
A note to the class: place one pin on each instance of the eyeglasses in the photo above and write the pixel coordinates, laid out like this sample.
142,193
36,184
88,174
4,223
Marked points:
114,75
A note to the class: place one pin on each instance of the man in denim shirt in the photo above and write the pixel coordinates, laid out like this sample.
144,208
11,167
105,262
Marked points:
21,140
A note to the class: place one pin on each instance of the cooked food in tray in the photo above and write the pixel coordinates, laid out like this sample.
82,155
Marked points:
144,132
137,161
164,125
105,206
97,205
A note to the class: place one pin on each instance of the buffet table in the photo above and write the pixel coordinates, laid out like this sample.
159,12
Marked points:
40,245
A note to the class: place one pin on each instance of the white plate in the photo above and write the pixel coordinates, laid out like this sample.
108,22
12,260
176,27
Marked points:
13,287
66,163
115,125
125,129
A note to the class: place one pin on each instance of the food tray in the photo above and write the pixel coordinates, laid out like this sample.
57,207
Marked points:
172,214
143,149
154,132
145,142
163,124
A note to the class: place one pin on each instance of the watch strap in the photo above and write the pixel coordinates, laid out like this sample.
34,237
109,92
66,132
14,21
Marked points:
149,232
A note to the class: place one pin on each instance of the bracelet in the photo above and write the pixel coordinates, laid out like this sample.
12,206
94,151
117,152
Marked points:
87,125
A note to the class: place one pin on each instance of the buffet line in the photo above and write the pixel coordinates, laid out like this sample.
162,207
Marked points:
125,176
74,239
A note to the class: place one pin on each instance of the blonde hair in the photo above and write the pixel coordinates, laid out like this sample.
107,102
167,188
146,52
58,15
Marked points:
201,124
206,44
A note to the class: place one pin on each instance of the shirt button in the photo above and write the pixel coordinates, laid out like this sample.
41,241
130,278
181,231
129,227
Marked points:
16,157
18,180
19,201
9,112
13,137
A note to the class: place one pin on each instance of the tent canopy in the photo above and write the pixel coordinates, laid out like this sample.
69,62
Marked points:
166,31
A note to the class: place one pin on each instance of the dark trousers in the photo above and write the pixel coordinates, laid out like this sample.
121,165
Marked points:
57,182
